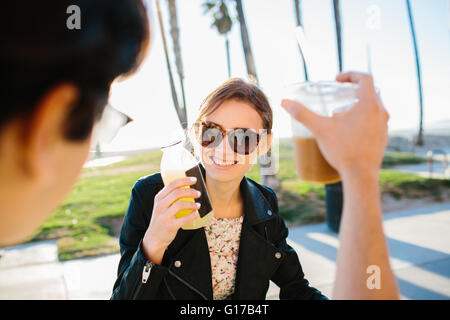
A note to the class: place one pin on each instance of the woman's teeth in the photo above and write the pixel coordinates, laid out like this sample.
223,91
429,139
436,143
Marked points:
223,163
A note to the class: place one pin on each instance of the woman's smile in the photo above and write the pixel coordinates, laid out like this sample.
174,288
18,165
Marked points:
220,164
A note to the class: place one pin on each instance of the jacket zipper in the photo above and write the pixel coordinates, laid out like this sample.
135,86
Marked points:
188,285
145,274
146,271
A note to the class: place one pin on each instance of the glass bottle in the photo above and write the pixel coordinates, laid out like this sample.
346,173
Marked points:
176,163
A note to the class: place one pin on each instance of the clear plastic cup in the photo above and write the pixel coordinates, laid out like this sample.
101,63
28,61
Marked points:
325,98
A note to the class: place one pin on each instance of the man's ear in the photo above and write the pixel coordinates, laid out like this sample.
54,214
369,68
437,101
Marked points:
46,129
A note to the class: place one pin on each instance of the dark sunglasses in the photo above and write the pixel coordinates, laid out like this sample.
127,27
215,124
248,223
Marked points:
242,141
111,121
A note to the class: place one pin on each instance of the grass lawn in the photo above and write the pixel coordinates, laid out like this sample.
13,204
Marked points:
401,158
88,221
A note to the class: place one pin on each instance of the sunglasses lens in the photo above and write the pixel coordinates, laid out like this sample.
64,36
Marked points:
243,142
210,137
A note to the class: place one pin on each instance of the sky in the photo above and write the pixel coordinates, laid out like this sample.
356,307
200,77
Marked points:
378,27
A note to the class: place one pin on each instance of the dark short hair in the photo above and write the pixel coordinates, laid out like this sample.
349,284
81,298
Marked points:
238,89
38,51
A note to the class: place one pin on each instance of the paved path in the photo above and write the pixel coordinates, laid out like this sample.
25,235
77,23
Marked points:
419,247
419,244
32,271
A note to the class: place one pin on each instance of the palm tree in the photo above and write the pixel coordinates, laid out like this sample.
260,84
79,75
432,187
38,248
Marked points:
298,18
174,32
181,112
249,60
337,22
419,77
222,22
334,192
271,180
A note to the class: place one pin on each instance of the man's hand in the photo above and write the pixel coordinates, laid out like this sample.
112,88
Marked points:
352,140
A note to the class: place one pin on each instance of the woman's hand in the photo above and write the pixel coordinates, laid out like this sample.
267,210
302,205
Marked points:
164,224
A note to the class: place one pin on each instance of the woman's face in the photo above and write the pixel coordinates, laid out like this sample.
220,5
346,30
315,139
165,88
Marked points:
221,162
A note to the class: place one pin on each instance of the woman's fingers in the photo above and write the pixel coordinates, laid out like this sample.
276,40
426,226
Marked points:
164,192
179,222
186,181
175,195
181,205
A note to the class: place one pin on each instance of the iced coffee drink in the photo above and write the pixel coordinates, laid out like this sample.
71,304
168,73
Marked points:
324,98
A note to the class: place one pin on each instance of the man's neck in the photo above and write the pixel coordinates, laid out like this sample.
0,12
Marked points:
20,208
13,205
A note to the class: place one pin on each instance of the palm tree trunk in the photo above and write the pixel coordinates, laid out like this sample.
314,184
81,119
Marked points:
337,22
270,180
249,61
227,46
369,58
419,141
181,116
334,192
174,32
298,17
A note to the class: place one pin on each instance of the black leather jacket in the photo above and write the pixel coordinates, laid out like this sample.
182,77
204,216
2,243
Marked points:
185,271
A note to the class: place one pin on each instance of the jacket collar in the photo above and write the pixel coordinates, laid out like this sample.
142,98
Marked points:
254,246
257,207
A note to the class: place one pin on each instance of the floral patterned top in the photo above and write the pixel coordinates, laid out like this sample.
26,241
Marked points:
223,237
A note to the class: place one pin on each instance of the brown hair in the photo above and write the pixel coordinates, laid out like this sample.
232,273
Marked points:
240,90
38,53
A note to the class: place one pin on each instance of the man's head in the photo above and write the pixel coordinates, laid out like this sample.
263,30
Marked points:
54,85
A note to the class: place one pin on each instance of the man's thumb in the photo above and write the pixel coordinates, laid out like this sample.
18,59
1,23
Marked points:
302,114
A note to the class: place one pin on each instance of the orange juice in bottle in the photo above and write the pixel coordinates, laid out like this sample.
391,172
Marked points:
176,163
